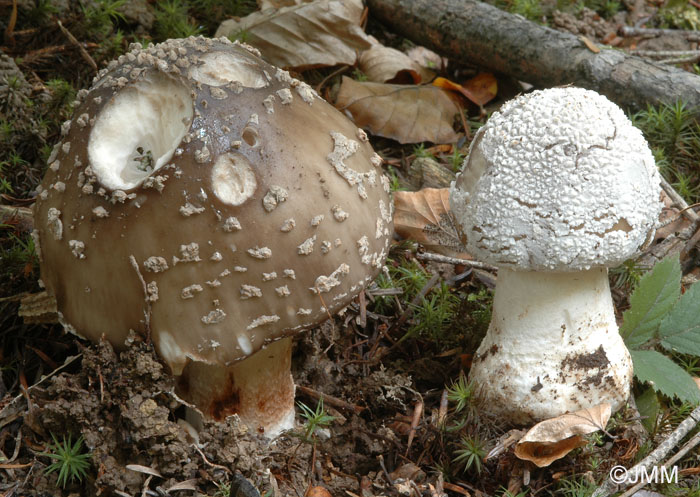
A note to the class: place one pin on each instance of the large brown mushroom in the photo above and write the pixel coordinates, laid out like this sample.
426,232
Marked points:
211,202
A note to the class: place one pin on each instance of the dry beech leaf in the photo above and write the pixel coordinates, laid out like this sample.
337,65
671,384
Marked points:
427,58
671,215
553,438
424,216
406,113
481,89
388,65
315,34
317,492
697,381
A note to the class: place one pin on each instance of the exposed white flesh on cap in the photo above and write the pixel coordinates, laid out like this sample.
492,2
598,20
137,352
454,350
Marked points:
138,131
552,347
192,174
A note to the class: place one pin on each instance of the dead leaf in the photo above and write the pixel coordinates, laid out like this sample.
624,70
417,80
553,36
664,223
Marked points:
424,216
317,492
406,113
388,65
589,44
314,34
545,453
481,89
427,58
697,381
553,438
671,219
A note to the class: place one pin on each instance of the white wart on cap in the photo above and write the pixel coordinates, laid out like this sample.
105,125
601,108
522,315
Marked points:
558,186
209,200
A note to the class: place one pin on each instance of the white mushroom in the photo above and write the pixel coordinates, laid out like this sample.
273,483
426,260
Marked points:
177,209
558,186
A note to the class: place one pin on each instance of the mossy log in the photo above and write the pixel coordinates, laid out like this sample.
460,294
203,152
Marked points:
475,32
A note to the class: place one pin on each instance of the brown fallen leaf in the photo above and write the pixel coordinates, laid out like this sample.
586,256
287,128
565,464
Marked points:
553,438
671,219
314,34
405,113
388,65
697,381
427,58
480,89
424,216
317,492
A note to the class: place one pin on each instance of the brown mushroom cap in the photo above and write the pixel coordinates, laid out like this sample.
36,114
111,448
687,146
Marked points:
205,197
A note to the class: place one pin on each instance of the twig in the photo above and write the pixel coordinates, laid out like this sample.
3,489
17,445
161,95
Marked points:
690,444
53,373
10,30
386,473
415,420
657,455
652,32
681,60
84,53
330,400
429,256
383,292
692,242
679,201
666,53
217,466
20,216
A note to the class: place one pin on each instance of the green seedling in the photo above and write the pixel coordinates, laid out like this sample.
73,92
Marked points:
68,460
315,419
471,454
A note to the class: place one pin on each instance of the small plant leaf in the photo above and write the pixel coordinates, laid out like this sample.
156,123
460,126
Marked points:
680,329
649,407
664,375
657,292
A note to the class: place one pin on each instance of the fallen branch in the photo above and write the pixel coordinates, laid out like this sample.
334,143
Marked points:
475,32
690,444
653,459
429,256
653,32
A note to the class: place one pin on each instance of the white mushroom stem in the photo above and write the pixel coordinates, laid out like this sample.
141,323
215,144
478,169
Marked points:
553,346
260,389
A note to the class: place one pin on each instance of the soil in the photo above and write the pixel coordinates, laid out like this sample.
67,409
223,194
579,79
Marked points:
122,404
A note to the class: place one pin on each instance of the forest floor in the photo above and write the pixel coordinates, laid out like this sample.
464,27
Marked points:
392,369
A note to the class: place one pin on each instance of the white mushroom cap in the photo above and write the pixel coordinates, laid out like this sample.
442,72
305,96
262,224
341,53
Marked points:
557,180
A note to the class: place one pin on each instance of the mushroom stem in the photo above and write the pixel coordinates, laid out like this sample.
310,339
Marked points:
260,389
552,346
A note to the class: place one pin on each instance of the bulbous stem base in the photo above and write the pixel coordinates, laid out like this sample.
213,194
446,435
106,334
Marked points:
260,389
552,347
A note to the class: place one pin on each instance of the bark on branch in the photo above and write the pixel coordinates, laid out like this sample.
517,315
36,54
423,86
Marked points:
475,32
